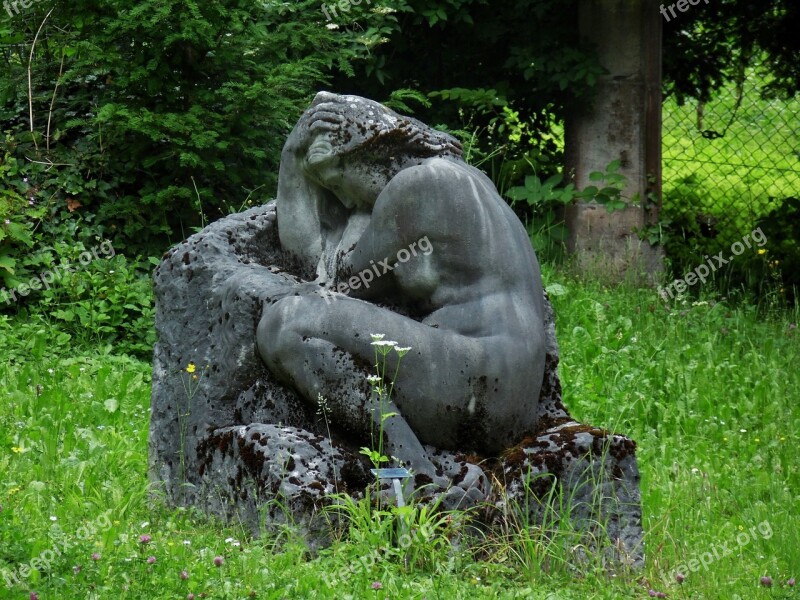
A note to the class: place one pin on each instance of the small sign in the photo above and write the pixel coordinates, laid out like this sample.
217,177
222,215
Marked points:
398,473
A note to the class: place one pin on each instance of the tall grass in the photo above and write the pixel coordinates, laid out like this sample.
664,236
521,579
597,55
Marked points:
708,389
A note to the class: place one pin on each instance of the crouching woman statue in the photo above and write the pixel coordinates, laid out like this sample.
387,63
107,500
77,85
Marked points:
407,240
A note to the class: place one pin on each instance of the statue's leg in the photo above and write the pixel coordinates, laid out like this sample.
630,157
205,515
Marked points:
324,348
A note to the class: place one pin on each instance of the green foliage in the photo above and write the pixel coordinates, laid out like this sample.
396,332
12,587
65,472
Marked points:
501,89
110,302
107,301
546,202
710,45
19,216
718,188
73,435
148,112
710,468
782,227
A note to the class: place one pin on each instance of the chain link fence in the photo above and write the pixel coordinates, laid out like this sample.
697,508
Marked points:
728,163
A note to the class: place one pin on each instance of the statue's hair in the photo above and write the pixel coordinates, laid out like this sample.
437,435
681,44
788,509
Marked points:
372,128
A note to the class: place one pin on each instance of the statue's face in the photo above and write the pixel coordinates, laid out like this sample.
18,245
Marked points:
355,181
355,146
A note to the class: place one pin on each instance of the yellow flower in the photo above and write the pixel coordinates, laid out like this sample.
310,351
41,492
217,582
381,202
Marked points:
13,491
194,377
17,450
762,251
190,368
758,439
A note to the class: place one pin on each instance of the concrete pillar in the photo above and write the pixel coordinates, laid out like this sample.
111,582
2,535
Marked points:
624,122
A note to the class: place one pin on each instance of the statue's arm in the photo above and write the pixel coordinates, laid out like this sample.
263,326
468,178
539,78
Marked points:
304,207
398,221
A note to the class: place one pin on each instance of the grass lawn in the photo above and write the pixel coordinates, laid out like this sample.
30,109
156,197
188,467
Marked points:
709,390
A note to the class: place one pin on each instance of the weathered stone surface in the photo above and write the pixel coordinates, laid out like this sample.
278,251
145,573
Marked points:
241,434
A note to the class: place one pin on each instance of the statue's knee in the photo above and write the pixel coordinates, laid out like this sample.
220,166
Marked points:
275,329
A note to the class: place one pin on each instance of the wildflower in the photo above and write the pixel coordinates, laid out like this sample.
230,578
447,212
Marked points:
762,251
145,524
186,542
373,380
17,449
680,577
145,539
53,518
190,368
8,222
766,581
332,26
376,585
791,582
218,561
34,596
652,593
384,343
76,569
151,560
401,352
95,556
184,574
377,336
190,596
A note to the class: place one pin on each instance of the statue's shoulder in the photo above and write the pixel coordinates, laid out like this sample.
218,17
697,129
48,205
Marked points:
434,175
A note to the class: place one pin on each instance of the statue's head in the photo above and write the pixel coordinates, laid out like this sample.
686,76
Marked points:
355,145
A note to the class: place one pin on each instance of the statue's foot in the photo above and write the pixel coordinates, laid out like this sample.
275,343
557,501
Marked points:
459,483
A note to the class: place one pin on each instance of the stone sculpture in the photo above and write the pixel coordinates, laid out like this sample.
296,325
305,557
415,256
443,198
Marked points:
379,227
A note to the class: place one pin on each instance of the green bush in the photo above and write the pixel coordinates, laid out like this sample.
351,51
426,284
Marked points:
156,116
